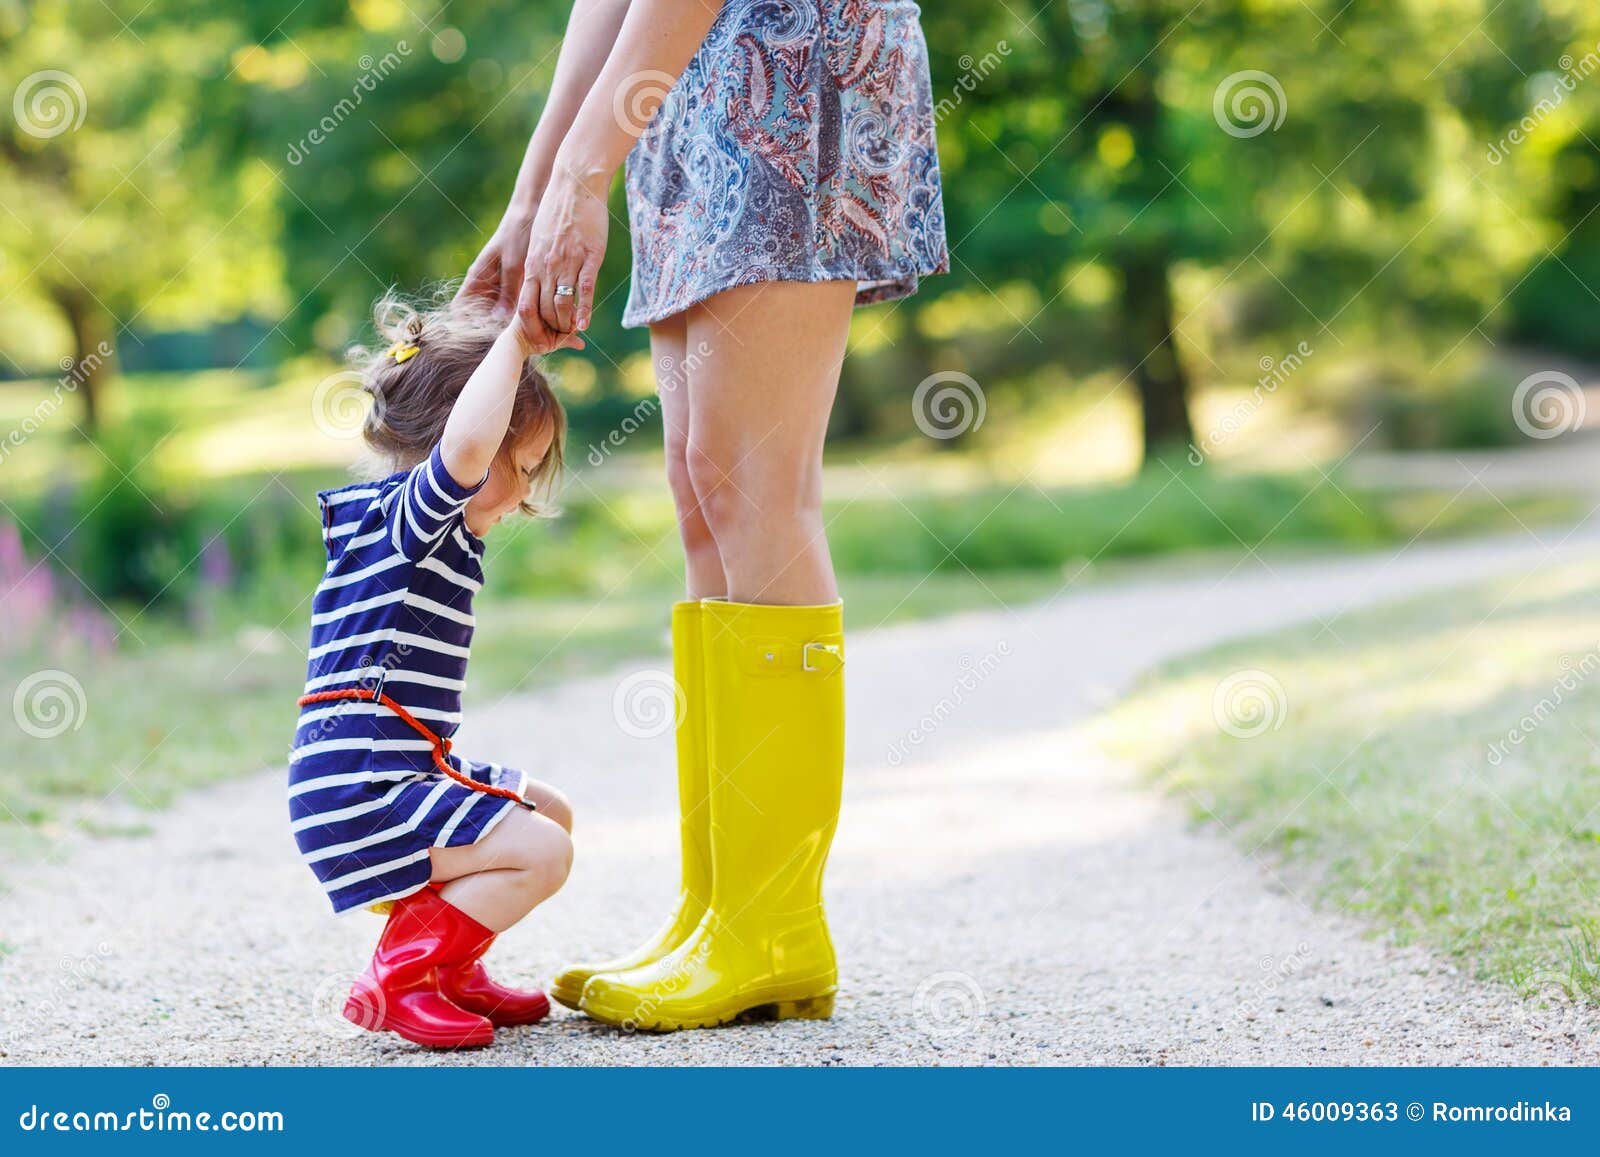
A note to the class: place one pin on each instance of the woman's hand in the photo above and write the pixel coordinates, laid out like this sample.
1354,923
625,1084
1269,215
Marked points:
565,248
554,234
495,277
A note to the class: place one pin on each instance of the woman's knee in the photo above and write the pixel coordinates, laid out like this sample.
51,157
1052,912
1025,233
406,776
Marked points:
679,480
685,498
706,467
742,491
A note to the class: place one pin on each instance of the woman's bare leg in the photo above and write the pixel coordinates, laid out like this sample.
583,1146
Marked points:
673,364
761,388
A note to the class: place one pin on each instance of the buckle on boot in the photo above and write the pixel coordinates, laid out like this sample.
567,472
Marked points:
826,648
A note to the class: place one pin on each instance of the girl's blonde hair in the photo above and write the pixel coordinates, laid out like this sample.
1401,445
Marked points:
412,398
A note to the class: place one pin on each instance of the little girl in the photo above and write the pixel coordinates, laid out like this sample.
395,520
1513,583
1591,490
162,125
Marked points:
455,850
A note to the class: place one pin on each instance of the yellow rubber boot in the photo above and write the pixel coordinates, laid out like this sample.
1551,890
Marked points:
694,814
775,735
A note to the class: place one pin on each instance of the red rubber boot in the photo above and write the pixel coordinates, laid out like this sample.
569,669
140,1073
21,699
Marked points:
469,986
399,992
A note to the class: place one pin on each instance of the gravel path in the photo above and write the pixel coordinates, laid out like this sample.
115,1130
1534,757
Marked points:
1000,893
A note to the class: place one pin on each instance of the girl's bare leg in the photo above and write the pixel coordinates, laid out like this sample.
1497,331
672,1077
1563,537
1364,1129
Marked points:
504,876
551,802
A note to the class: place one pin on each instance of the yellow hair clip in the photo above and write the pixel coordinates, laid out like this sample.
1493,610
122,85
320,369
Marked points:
403,353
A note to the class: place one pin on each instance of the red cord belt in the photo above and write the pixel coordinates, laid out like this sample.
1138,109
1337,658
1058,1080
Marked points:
441,745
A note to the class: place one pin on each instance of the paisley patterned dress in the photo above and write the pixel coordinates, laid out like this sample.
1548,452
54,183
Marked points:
798,145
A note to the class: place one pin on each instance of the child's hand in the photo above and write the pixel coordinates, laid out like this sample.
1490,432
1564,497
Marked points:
543,342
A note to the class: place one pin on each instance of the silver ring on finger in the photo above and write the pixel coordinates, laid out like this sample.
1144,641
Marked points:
565,290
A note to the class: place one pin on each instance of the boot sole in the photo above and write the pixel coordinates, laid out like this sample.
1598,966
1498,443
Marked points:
519,1021
360,1015
805,1008
565,996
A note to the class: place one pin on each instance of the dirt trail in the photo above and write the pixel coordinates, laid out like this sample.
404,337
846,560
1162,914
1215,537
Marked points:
1000,893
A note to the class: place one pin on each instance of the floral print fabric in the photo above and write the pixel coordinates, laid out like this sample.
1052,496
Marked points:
798,145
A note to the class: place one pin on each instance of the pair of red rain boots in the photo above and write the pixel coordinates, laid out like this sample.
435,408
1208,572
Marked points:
427,982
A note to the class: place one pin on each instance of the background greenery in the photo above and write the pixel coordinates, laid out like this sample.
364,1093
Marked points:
1127,274
1101,219
1432,767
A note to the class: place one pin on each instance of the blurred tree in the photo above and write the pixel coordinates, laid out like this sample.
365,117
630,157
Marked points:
116,211
1311,155
1555,160
396,131
1127,182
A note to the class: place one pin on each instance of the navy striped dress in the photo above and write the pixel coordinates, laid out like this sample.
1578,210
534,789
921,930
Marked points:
393,609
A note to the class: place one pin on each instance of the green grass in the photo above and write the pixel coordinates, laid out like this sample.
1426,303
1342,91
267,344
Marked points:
132,535
201,686
1385,780
168,712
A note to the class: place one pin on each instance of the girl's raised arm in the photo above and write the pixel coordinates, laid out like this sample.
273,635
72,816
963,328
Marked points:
478,421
